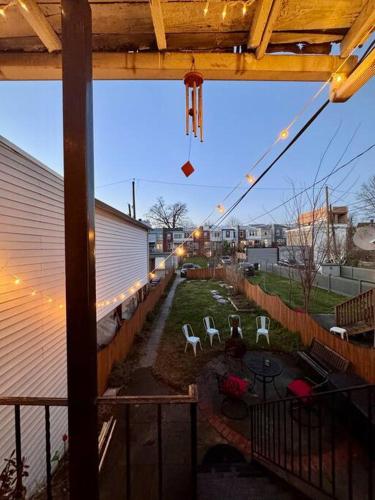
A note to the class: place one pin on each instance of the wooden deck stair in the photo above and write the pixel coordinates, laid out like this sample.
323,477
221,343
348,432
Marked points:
357,315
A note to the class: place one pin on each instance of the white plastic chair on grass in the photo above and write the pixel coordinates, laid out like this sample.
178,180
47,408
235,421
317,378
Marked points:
235,317
263,327
191,338
209,326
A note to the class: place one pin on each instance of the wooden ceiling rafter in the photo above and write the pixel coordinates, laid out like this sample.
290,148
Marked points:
34,16
158,22
262,12
360,29
267,33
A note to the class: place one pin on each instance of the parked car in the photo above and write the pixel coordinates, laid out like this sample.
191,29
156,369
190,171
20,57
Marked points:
246,268
226,259
186,266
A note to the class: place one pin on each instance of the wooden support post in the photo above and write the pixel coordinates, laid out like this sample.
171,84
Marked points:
79,249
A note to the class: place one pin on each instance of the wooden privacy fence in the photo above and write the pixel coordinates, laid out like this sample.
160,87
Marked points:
121,344
362,358
206,273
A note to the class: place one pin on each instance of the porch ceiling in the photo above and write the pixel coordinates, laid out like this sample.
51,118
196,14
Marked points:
305,30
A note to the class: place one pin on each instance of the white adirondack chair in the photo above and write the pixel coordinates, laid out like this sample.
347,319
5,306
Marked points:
263,327
232,317
191,338
211,330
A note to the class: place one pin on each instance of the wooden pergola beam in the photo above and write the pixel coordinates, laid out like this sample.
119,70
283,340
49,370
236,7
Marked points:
274,14
360,29
174,65
158,22
262,11
342,91
38,22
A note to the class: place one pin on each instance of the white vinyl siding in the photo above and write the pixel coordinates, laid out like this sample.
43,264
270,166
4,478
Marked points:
32,329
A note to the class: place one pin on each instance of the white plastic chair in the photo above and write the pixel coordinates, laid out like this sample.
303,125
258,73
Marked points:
263,326
190,338
232,317
211,331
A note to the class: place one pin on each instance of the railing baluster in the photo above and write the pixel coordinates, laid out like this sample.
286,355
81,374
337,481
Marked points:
17,424
278,433
285,442
320,449
291,438
273,433
193,449
160,453
300,439
370,444
309,444
48,452
350,449
128,444
333,429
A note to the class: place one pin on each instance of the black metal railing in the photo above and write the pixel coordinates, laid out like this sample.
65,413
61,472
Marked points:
325,440
127,402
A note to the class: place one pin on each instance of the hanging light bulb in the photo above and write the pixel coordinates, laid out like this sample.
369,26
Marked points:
205,10
337,77
49,300
17,281
179,251
284,134
60,306
244,9
197,233
33,293
2,13
224,13
250,178
24,6
220,208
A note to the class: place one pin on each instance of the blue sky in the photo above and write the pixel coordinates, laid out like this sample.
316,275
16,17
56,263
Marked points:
139,132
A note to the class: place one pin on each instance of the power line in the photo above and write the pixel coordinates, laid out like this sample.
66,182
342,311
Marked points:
316,182
265,172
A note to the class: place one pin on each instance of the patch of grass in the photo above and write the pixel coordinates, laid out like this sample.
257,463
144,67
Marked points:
192,302
290,292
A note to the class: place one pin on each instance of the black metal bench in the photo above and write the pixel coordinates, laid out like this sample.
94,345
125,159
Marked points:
323,360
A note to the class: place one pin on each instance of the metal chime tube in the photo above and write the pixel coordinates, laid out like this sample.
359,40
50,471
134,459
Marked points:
200,111
187,108
195,109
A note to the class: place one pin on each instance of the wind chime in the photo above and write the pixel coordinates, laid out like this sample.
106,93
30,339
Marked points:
194,103
194,111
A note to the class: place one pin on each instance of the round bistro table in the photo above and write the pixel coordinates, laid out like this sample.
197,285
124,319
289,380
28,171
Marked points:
264,372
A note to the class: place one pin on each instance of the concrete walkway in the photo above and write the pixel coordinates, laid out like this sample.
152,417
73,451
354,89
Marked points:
148,356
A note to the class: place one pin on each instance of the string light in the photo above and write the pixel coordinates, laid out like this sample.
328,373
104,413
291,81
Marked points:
220,209
250,178
180,251
337,77
205,10
197,233
224,13
33,293
17,281
244,8
284,134
2,12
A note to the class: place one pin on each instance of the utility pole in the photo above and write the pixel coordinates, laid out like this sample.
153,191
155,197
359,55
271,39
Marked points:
129,210
328,222
133,190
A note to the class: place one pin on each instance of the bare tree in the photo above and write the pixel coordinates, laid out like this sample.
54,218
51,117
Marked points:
312,241
163,215
366,197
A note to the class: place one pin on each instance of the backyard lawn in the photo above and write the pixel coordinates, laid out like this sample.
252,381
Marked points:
192,302
200,260
322,301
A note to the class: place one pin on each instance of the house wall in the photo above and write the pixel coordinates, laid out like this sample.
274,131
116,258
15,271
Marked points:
32,326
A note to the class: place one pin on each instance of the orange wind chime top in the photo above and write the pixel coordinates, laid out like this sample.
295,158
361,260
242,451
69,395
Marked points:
194,103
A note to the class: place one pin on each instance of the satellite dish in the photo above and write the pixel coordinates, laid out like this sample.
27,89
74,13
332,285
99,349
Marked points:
364,237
